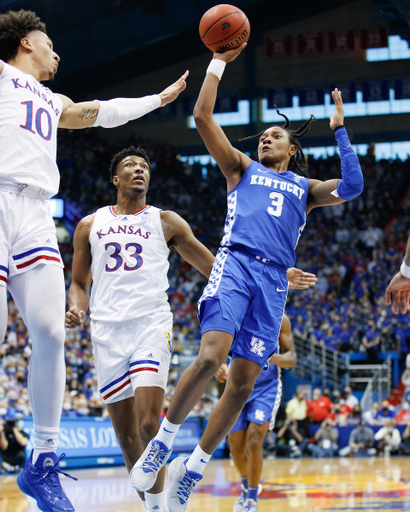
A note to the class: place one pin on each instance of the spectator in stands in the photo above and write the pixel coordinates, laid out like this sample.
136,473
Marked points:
297,407
326,438
370,415
292,439
339,414
299,328
346,338
403,415
320,406
13,440
388,438
384,414
370,341
360,442
356,417
349,398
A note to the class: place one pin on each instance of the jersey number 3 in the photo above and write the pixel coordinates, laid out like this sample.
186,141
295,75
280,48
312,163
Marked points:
277,204
116,255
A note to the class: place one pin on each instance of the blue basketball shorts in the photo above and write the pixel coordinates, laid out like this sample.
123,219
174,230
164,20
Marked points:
245,297
261,406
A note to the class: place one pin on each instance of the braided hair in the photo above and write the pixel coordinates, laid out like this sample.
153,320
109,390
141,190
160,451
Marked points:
13,27
298,162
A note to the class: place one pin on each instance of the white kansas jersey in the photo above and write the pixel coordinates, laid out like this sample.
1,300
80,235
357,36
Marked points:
129,265
29,115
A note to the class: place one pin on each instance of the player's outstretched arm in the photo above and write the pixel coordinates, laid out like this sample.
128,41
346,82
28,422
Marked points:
178,233
327,193
398,290
79,292
288,358
117,111
299,280
231,161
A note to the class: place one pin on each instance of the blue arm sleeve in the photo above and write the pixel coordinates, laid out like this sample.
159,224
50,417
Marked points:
352,182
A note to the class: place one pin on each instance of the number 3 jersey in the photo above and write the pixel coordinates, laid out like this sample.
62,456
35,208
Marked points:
267,214
129,265
29,116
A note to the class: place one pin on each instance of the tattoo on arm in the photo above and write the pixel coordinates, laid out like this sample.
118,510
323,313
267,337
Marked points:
88,113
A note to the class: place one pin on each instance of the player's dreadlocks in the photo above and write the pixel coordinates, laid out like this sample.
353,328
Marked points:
13,27
132,150
298,162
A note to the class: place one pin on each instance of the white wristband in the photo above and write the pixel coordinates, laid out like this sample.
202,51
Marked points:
405,270
216,67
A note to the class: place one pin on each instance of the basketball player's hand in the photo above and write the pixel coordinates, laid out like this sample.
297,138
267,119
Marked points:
299,280
172,92
399,291
338,117
74,318
222,374
230,55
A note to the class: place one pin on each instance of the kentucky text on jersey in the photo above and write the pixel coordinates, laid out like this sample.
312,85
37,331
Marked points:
18,85
277,185
125,229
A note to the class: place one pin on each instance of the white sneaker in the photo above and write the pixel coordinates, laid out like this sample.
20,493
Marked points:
240,502
145,471
181,484
251,506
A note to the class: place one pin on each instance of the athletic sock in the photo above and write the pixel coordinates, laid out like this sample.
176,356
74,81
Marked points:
252,493
144,504
198,460
45,441
154,502
244,486
167,432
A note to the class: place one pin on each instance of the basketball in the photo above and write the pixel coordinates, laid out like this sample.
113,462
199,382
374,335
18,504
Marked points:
224,27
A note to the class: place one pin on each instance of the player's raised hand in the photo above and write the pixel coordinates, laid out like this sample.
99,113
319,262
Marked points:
299,280
222,373
230,55
74,318
172,92
398,292
338,117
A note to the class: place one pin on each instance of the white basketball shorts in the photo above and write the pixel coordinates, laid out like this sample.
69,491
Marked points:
27,235
131,354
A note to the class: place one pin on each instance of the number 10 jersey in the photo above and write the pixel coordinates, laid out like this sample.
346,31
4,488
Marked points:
129,265
29,116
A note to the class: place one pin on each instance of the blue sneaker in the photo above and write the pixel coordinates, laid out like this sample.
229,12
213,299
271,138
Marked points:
143,474
41,481
181,484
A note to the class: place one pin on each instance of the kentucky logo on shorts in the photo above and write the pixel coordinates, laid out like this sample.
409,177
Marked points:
258,346
168,337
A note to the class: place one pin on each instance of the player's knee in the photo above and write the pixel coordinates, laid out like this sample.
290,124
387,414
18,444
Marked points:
148,428
236,450
126,441
207,363
242,391
254,441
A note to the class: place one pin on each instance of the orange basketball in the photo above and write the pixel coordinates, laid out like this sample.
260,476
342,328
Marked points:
224,27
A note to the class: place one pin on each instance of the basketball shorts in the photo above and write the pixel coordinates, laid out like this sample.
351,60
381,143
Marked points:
260,407
27,235
131,354
246,297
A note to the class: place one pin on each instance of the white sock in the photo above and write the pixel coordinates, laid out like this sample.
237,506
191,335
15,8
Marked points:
145,505
154,502
198,460
167,432
45,441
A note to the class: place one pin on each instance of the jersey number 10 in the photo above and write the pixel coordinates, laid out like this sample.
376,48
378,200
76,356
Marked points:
38,116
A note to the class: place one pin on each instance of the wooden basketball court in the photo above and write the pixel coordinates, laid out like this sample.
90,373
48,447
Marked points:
381,484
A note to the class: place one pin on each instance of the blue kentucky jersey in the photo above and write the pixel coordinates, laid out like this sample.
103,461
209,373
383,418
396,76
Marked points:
267,214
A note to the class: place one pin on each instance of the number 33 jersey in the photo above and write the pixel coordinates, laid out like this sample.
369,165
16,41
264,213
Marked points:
267,214
129,265
29,116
